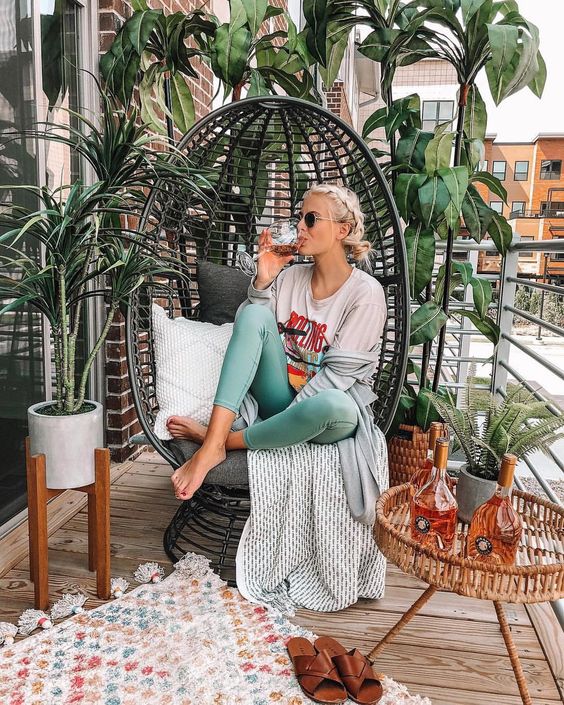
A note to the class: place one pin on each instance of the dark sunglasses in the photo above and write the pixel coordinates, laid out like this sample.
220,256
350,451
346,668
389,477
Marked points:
311,218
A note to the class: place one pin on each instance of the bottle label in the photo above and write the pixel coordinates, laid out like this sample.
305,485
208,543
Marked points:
483,545
422,524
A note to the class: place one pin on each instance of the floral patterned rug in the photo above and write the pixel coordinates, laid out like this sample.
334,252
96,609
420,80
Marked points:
188,640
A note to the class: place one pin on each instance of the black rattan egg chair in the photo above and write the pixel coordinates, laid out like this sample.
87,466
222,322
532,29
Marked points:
265,152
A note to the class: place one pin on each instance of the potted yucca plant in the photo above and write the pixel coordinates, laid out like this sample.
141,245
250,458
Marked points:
87,251
485,429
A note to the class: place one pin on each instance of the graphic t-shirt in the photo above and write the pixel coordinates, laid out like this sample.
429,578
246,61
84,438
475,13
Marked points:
350,319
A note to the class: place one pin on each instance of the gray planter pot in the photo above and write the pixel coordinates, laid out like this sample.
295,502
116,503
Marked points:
68,443
471,491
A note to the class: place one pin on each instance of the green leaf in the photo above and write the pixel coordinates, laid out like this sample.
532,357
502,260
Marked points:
272,11
316,15
258,85
426,322
501,233
476,116
406,190
482,294
139,28
148,112
411,148
183,112
477,215
504,41
434,199
413,50
230,52
486,326
425,412
438,152
465,270
420,246
294,86
473,154
237,15
455,281
337,42
538,81
377,43
375,121
119,68
255,11
525,64
469,8
492,182
17,303
456,181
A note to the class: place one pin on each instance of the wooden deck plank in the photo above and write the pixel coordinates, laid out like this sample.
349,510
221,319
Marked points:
456,696
452,651
370,626
551,637
476,672
14,546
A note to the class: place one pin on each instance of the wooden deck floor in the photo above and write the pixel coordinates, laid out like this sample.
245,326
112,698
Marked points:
452,652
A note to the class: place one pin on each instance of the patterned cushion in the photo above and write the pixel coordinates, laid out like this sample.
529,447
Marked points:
188,355
231,473
222,290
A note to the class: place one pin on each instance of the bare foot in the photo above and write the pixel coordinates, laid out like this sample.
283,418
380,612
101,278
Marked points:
190,476
185,427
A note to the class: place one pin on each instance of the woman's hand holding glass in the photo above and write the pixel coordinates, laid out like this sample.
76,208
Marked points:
277,246
269,264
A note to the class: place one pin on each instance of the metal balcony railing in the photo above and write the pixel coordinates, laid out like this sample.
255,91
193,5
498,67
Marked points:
514,360
543,213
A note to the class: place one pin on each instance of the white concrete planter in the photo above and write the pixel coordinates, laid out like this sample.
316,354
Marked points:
471,491
68,443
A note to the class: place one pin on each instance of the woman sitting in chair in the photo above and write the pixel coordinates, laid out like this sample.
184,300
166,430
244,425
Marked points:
305,345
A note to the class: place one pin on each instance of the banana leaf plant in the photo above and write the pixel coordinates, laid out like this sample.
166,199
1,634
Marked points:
435,174
87,250
151,52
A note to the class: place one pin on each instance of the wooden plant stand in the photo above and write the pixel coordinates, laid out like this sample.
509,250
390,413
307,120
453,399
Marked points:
98,524
537,576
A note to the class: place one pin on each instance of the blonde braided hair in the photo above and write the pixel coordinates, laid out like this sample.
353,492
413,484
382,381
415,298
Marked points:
346,209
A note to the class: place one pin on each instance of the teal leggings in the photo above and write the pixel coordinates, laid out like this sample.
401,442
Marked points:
255,361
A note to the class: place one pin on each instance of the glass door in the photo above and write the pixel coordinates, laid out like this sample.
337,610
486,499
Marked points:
39,80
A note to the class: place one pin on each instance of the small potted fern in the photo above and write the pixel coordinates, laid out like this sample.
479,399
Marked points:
486,429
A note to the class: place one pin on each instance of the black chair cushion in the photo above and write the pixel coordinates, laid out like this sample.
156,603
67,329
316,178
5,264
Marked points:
222,290
232,472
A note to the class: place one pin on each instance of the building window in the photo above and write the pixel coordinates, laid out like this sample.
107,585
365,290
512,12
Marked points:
557,256
499,169
552,209
435,112
497,206
521,171
484,166
525,254
517,209
550,169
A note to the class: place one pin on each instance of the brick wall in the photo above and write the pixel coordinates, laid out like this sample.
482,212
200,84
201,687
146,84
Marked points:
337,102
121,417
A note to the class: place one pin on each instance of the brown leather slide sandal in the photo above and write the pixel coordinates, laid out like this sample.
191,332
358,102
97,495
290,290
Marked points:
354,669
316,673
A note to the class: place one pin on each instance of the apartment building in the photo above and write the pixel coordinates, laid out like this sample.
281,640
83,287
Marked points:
531,173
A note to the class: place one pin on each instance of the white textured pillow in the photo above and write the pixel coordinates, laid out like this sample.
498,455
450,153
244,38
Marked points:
188,355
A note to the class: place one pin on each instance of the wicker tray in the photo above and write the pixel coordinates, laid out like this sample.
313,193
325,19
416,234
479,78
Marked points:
537,576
